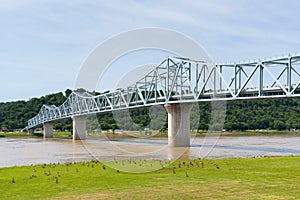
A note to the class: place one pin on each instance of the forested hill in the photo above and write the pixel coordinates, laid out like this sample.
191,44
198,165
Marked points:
279,114
14,115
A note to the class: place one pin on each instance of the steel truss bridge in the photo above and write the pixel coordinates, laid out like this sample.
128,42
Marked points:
182,80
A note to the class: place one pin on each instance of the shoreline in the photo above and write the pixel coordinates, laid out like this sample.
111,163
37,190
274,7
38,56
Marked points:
126,135
149,160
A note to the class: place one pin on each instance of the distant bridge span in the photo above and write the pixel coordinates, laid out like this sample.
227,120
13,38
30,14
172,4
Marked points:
176,83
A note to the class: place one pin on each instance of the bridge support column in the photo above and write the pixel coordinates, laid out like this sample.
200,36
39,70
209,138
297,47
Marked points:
179,124
48,129
31,131
79,127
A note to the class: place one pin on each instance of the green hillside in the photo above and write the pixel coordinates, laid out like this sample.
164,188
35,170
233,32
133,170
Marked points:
275,114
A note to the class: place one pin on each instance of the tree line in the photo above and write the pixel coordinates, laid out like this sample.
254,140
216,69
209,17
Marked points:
240,115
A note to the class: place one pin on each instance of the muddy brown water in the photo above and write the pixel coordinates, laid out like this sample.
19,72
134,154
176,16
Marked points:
27,151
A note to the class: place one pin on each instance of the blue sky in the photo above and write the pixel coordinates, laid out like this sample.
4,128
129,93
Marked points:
44,42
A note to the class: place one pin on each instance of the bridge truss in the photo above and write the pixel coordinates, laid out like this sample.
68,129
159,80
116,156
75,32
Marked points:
180,80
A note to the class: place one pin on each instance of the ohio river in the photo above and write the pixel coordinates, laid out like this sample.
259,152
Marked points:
27,151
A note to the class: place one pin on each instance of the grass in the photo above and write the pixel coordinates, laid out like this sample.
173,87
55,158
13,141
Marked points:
254,133
253,178
15,134
37,134
63,134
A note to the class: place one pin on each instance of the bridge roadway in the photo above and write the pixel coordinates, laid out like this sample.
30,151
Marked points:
177,83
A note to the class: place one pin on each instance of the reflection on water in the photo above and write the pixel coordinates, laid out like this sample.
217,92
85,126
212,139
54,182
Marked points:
179,153
27,151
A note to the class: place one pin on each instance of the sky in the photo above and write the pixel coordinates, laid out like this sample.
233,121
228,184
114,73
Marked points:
43,43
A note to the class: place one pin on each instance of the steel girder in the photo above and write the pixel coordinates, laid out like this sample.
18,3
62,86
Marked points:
178,80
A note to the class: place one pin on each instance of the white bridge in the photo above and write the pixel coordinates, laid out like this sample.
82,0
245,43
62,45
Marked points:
176,83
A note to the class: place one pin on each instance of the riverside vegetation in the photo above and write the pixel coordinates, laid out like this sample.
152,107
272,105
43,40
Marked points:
269,114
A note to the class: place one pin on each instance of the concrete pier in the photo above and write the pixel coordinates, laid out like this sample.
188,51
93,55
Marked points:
79,127
179,124
48,129
31,131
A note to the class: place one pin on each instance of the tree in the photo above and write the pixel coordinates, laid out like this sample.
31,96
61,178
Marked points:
68,92
280,114
279,125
